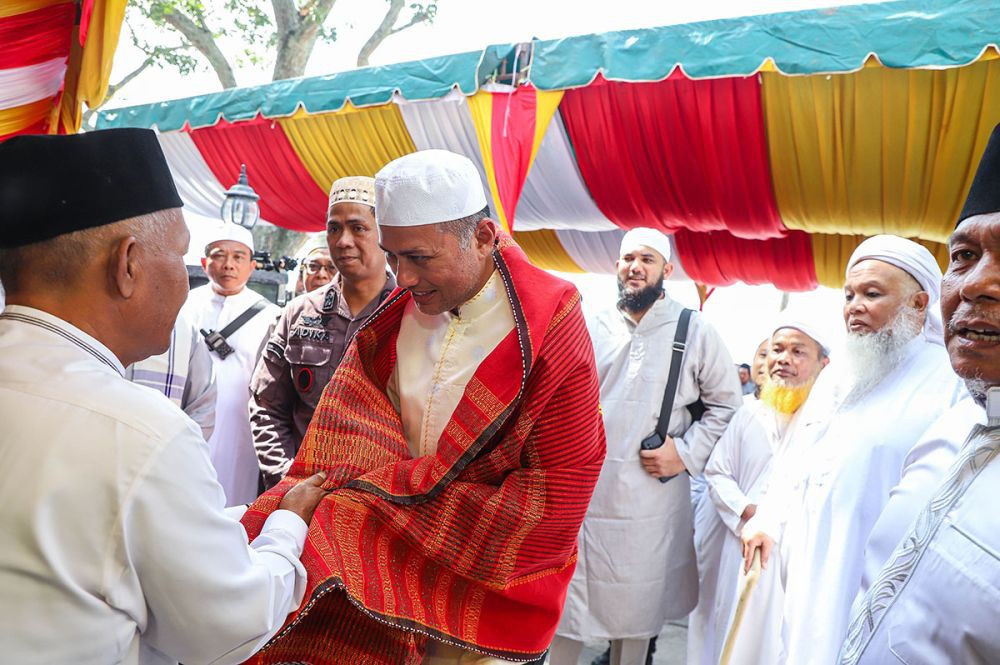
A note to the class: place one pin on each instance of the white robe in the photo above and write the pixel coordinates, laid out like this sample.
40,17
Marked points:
736,474
115,546
231,445
938,598
636,566
923,471
830,493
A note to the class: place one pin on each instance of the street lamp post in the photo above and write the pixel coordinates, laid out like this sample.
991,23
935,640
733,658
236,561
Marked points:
241,204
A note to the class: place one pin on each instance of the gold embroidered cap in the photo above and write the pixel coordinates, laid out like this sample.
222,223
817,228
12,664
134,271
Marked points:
353,189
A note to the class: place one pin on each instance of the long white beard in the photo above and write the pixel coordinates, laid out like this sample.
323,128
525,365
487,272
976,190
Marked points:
871,357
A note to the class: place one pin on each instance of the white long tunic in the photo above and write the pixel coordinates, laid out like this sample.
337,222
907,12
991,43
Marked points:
736,474
636,567
115,545
923,470
834,489
938,598
231,444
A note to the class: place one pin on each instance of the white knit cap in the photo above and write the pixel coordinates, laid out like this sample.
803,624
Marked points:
645,237
229,231
427,187
799,322
918,262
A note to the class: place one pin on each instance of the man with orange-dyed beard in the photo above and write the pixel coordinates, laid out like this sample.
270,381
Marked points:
738,471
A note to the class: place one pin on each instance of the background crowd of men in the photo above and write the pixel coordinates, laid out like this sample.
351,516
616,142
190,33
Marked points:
432,456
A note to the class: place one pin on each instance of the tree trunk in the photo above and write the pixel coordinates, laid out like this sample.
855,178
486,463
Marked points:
278,241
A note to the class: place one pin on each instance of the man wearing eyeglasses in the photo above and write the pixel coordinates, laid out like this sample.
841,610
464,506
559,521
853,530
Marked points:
314,330
317,270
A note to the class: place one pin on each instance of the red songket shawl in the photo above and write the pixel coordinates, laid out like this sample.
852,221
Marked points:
474,545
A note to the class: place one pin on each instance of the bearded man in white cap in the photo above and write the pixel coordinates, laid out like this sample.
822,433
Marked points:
737,473
637,565
462,437
824,502
314,329
935,600
235,321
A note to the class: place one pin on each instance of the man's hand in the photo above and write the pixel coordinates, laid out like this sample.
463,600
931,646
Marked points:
751,544
662,462
748,512
304,497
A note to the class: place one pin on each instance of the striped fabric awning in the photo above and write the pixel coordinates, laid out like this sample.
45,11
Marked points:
767,161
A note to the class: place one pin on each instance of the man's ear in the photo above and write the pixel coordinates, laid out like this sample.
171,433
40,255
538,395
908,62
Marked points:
919,300
123,266
486,235
668,270
204,264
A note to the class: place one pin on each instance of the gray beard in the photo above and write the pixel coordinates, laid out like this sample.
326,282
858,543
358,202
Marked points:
872,357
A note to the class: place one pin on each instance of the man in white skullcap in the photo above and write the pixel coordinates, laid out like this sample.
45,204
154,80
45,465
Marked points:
462,436
235,322
637,565
894,382
314,329
738,472
935,600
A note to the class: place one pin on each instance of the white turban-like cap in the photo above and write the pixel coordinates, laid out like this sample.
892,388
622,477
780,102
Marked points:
229,231
801,323
645,237
353,189
916,261
427,187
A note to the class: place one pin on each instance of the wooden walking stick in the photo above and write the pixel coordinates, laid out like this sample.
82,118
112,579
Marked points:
751,581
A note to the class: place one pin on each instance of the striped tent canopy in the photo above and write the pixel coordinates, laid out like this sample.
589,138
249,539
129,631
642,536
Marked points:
767,147
55,55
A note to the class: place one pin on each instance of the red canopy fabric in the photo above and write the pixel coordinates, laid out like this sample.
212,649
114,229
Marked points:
720,259
35,37
676,154
289,196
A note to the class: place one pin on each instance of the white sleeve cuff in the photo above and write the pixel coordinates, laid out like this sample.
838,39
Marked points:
290,523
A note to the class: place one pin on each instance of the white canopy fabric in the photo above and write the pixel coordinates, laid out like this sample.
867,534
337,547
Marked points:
197,185
24,85
554,195
596,251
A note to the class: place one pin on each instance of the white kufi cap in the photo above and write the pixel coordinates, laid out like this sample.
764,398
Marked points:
427,187
801,323
915,260
645,237
229,231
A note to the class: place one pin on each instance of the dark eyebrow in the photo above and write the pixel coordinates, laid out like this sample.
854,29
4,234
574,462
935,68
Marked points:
959,236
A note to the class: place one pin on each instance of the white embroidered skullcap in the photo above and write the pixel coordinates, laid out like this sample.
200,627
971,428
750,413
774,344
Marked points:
645,237
918,262
427,187
229,231
353,189
790,319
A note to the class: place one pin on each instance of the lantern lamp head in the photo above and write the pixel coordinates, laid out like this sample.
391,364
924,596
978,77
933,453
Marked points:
241,205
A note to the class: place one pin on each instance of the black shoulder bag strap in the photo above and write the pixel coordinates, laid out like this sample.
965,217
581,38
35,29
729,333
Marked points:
657,438
216,341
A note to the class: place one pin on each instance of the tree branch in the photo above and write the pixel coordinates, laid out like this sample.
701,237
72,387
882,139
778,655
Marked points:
384,30
286,17
296,44
203,40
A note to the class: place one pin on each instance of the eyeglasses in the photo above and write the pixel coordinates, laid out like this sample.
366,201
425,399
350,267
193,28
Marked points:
313,267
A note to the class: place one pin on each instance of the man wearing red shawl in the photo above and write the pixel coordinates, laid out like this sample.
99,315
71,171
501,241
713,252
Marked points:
461,437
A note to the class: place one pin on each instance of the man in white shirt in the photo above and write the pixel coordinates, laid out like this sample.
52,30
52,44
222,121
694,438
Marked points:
738,471
829,489
936,598
116,547
228,262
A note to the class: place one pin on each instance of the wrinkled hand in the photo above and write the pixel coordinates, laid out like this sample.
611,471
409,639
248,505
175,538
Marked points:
751,544
304,497
662,462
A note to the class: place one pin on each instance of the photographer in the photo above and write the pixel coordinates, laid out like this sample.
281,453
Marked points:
235,322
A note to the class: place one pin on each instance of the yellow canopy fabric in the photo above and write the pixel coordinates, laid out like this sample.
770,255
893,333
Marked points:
545,251
879,150
832,252
348,142
14,7
17,118
89,69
